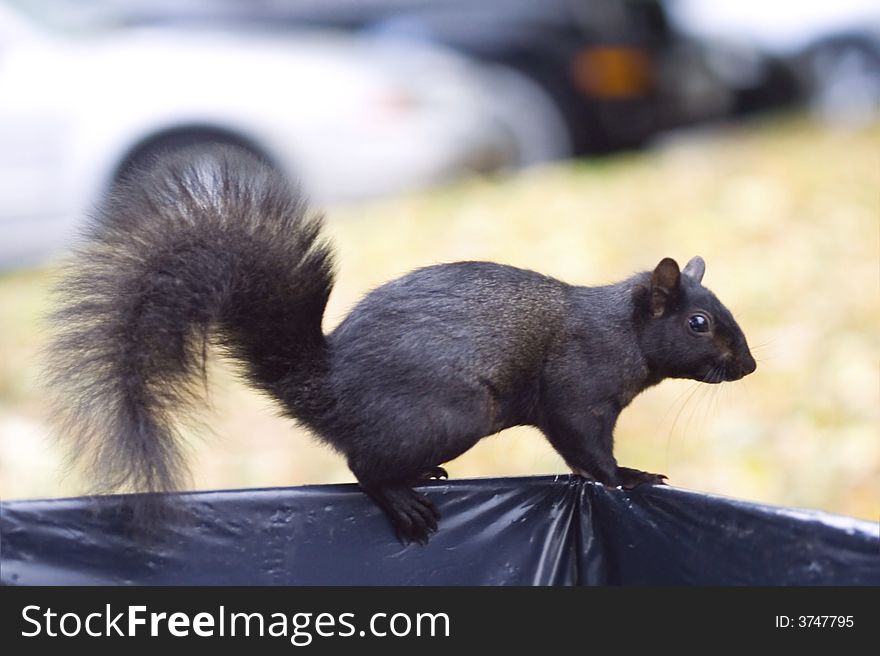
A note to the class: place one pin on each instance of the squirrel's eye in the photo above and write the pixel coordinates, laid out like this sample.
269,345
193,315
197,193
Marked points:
698,323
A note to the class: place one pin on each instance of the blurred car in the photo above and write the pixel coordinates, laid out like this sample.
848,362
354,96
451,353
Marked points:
349,117
824,53
840,74
710,79
594,60
617,71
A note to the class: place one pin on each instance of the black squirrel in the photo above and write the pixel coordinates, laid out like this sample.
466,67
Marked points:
213,246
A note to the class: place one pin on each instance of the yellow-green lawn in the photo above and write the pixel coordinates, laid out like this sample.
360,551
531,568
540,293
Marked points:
787,215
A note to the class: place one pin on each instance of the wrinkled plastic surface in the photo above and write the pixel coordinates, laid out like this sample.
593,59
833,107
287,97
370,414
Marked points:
520,531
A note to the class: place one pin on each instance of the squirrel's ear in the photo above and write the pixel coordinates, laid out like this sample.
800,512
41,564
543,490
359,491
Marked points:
665,282
695,268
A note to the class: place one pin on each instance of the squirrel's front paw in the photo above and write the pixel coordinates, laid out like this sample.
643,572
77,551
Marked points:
630,478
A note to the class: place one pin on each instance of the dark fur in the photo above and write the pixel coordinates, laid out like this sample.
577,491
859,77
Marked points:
215,245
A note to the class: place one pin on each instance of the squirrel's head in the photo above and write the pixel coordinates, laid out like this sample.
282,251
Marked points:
685,330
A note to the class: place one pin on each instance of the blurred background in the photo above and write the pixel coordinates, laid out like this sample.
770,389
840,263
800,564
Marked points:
586,139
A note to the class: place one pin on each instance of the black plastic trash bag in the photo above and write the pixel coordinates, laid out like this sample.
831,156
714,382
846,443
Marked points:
556,530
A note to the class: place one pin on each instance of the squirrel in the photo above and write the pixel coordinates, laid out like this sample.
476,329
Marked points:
213,246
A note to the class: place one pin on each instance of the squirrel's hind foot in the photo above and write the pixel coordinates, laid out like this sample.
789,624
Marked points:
631,478
437,472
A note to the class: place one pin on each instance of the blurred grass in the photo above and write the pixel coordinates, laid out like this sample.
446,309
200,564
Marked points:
786,213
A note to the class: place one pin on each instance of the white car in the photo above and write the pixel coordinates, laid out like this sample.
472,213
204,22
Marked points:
348,117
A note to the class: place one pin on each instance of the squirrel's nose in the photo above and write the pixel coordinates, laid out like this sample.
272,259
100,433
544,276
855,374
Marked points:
741,367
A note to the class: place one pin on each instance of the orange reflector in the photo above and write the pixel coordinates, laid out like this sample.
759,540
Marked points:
612,72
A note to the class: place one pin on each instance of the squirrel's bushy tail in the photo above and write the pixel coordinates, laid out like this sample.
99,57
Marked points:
209,244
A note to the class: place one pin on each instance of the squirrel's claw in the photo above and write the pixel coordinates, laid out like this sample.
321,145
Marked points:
437,472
